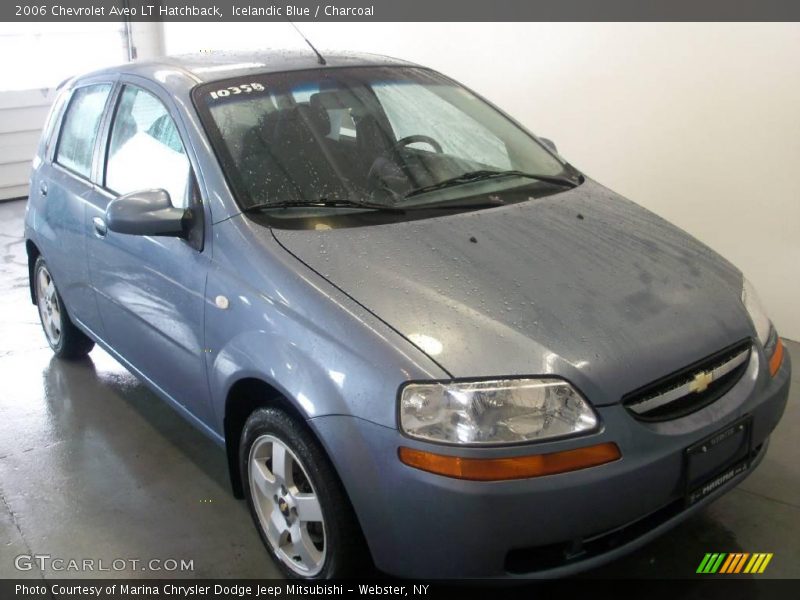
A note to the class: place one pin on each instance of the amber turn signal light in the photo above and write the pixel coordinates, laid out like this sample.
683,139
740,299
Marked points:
518,467
777,358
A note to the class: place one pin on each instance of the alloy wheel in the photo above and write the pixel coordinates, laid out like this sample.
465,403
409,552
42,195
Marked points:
287,506
49,306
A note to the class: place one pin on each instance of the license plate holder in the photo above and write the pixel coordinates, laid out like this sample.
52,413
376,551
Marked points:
715,460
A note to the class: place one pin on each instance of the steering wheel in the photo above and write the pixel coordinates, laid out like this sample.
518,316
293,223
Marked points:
419,138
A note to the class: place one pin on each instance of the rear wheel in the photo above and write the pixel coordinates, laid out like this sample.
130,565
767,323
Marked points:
296,500
66,340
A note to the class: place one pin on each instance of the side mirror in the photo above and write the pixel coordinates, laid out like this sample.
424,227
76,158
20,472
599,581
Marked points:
147,212
550,144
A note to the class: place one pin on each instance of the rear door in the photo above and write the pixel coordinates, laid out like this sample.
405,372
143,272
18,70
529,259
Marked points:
150,290
63,185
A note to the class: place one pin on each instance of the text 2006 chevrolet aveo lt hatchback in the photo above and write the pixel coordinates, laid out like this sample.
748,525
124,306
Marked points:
422,336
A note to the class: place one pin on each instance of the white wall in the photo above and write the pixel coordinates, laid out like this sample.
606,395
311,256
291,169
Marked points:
45,54
22,115
36,58
698,122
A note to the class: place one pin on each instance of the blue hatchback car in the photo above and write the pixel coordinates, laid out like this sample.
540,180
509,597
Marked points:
422,337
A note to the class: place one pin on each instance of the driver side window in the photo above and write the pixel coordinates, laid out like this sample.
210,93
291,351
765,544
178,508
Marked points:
145,151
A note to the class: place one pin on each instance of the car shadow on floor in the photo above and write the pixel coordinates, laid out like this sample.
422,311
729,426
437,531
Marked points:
83,397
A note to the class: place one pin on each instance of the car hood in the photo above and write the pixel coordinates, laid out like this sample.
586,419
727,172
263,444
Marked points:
582,284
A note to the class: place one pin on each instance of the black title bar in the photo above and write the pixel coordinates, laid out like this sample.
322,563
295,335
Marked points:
400,10
696,588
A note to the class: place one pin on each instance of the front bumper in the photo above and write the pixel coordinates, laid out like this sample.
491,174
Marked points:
422,525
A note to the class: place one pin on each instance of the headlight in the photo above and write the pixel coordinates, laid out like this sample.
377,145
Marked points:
756,311
503,411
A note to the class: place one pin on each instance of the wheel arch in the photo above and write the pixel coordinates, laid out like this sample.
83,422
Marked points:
245,396
254,370
33,253
252,393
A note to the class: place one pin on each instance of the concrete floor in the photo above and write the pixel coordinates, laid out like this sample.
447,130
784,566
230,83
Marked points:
93,465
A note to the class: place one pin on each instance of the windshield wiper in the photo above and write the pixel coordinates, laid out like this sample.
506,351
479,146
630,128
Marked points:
482,175
469,204
323,203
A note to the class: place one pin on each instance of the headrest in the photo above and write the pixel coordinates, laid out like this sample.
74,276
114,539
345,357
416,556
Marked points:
290,121
317,116
370,136
336,100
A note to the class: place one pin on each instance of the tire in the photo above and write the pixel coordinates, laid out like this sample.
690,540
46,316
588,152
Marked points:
66,340
331,548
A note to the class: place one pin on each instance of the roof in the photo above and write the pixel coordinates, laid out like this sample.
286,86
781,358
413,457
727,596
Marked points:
190,69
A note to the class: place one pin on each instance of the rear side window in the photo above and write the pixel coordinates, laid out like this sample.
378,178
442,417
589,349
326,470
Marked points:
80,127
146,151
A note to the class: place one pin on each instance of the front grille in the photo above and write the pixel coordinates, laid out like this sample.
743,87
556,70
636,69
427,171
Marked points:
691,388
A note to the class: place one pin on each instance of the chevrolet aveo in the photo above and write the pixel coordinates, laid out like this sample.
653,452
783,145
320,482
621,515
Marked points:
422,337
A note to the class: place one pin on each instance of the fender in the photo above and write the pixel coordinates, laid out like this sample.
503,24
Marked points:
312,389
325,353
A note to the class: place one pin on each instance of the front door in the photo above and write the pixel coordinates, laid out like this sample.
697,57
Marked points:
150,290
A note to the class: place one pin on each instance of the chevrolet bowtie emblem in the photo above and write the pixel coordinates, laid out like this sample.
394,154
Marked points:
701,382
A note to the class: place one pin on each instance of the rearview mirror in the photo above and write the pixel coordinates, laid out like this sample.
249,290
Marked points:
146,212
550,144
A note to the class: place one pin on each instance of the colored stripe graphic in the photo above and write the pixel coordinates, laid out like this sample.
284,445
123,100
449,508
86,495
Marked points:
727,564
718,563
703,563
757,564
765,563
735,562
753,564
741,562
737,558
711,562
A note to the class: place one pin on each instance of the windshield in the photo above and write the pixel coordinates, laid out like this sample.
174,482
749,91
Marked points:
395,136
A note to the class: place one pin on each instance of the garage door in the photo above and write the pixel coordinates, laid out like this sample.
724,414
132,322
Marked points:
22,115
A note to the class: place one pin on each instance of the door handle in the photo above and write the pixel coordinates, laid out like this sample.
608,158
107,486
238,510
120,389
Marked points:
43,188
99,226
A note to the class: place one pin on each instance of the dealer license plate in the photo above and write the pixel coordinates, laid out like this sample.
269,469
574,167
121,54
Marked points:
714,461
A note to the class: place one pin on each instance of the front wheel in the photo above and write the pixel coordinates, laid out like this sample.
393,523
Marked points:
66,340
296,500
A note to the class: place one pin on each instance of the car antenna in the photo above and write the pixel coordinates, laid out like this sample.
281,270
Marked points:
320,58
